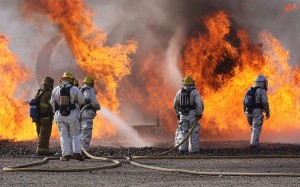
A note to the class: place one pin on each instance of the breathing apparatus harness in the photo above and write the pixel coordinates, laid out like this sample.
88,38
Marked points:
185,104
250,100
65,106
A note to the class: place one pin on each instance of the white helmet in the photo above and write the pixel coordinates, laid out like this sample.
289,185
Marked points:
262,80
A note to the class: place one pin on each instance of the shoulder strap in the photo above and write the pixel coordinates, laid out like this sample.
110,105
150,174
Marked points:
256,105
84,88
40,92
69,87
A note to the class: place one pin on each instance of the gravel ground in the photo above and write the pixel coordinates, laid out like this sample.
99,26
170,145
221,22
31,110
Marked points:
207,148
129,175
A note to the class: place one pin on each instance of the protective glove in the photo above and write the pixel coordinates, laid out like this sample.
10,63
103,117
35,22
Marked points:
268,115
199,116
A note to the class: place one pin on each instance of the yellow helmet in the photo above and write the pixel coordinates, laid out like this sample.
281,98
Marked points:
187,81
88,80
67,76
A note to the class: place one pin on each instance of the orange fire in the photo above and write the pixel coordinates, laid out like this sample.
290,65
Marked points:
222,60
108,65
15,121
224,70
151,92
290,7
224,65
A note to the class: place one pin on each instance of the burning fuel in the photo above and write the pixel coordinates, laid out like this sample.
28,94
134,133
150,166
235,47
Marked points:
135,77
108,65
15,124
225,69
290,7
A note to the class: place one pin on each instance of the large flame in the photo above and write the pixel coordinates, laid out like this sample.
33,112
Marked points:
290,7
108,65
222,60
15,122
150,91
224,64
224,70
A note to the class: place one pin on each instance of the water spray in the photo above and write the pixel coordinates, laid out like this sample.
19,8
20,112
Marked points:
126,131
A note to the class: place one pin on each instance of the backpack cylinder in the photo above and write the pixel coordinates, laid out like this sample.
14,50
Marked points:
33,109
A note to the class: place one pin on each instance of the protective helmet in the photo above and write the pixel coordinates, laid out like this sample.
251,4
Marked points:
262,79
48,81
76,83
187,81
67,76
88,80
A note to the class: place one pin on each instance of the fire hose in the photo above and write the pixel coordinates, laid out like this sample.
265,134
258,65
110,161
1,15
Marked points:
116,163
174,148
162,156
27,167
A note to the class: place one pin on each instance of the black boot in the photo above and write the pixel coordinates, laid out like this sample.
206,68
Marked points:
254,149
79,157
65,158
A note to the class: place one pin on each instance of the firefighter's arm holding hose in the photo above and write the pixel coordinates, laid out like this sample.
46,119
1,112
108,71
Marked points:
91,100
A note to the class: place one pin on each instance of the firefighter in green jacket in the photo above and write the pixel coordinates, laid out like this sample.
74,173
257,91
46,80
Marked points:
45,117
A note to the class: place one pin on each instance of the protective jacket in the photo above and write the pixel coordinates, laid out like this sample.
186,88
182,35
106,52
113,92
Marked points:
76,97
188,95
45,111
197,105
89,98
68,126
44,120
261,100
255,119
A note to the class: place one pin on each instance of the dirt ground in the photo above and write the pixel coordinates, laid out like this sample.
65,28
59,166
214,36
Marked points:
130,175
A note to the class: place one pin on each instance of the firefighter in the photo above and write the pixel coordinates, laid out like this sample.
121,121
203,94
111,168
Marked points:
44,117
255,117
64,99
188,106
90,112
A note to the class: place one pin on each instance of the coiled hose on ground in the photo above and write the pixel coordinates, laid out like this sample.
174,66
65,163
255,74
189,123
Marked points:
116,163
162,156
28,167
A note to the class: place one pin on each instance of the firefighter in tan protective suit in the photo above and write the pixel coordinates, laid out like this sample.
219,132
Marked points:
65,99
90,112
188,106
45,116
